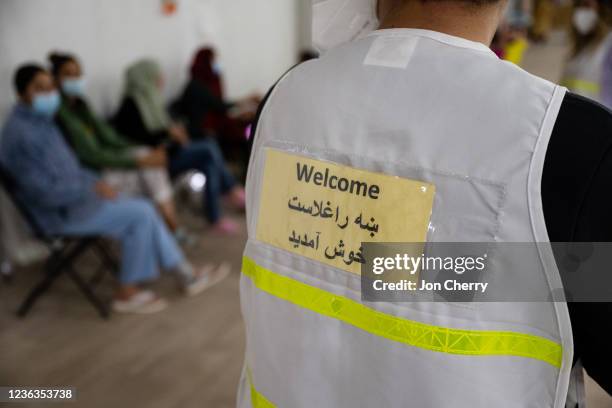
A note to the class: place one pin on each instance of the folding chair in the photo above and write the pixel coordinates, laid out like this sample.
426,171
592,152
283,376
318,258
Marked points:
64,251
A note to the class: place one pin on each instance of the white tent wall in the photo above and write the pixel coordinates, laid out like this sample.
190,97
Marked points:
256,40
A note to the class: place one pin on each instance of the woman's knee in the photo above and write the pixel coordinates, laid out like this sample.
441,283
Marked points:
147,209
139,210
207,150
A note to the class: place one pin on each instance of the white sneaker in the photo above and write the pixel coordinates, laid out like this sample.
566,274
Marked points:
143,302
207,277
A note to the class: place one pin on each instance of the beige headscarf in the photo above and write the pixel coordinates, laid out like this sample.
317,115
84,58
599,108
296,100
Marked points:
142,79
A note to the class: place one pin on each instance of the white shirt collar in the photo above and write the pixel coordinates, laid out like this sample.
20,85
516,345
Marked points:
436,36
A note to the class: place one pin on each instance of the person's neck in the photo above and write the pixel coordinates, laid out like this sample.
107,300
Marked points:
456,18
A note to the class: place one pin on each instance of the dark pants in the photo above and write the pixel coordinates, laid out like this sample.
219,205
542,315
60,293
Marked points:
205,155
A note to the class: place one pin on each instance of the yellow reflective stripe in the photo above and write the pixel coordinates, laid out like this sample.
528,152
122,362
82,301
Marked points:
424,336
257,399
581,85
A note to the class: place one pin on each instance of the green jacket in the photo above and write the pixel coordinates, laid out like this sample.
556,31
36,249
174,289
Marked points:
94,141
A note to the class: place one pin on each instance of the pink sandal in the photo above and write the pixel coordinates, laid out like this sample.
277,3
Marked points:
226,226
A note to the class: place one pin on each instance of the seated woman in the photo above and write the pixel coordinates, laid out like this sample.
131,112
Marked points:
144,118
207,112
66,199
130,169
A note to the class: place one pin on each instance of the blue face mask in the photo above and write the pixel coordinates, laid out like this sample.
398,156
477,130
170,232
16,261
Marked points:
46,104
216,67
74,86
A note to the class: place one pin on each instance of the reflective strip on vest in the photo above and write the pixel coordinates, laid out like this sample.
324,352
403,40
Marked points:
581,85
257,399
424,336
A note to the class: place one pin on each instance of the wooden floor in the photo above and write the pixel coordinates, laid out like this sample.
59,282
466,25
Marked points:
188,356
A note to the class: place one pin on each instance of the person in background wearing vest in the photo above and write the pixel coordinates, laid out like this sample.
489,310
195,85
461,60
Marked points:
69,200
408,91
588,72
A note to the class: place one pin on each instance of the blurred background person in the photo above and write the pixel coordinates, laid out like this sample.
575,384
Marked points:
144,118
210,115
588,72
510,40
126,167
67,199
543,16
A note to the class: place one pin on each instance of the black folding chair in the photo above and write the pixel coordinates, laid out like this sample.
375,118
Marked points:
64,252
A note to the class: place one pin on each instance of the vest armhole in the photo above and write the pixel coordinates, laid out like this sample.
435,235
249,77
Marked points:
540,234
537,165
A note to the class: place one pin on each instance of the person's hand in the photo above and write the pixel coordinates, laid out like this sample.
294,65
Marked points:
245,109
105,191
250,102
254,99
246,116
179,134
155,158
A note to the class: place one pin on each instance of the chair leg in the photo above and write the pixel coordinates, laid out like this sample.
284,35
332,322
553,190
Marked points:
98,276
108,260
88,292
108,264
52,271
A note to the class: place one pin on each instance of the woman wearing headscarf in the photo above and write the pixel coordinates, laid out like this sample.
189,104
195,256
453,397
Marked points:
209,115
133,170
143,116
65,199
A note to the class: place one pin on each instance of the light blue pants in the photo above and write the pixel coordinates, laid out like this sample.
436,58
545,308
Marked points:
145,241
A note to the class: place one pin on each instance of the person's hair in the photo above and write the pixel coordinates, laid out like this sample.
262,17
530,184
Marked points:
24,76
58,60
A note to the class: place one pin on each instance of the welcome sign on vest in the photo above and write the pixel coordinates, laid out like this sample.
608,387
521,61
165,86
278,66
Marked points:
324,211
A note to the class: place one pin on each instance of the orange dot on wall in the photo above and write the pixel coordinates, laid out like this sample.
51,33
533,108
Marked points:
169,8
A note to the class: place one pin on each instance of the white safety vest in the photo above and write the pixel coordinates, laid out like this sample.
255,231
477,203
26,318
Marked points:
368,127
584,72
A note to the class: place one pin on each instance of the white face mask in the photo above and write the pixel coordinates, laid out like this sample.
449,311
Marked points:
585,20
335,22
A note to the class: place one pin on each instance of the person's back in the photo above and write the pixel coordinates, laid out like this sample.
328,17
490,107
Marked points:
406,112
